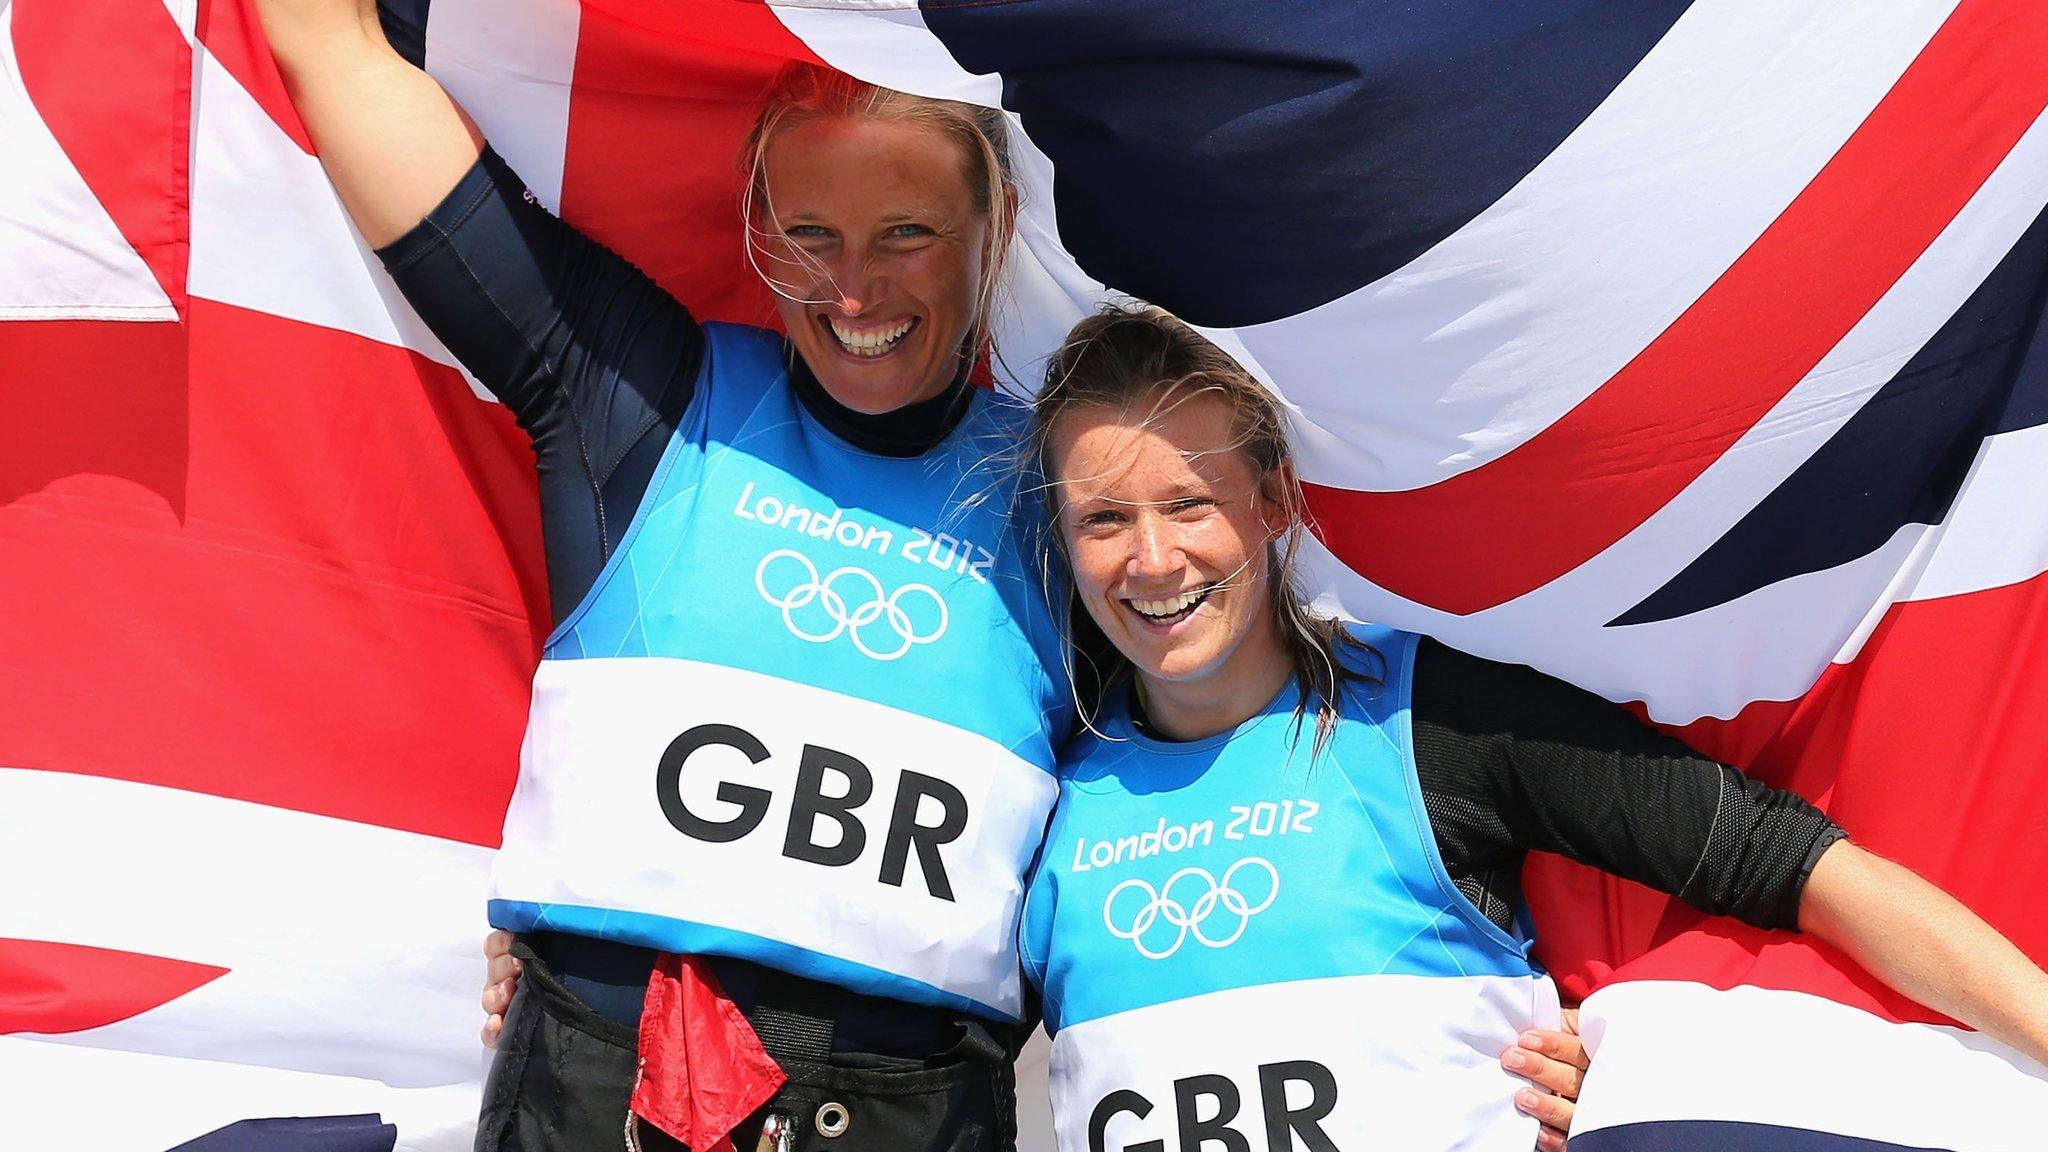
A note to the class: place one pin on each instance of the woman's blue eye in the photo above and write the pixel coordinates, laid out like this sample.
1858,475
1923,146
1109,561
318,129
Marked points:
905,230
803,231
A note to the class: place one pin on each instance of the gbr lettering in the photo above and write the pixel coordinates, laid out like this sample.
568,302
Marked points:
811,803
1206,1108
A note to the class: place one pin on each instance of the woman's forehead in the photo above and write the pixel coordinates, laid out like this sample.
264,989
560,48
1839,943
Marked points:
900,165
1187,438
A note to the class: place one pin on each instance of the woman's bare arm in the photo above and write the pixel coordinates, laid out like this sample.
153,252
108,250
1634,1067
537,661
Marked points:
1922,942
391,139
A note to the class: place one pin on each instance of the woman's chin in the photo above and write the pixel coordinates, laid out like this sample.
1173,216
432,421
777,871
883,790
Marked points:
1177,666
874,384
1182,649
875,387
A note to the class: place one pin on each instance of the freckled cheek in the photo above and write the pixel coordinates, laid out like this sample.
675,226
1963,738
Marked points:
1206,542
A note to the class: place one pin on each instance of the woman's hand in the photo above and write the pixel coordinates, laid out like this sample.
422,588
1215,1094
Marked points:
1556,1063
501,979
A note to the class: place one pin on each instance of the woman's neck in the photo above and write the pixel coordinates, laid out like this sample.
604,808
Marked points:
1238,689
911,430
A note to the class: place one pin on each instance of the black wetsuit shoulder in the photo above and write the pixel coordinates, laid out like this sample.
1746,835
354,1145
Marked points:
596,361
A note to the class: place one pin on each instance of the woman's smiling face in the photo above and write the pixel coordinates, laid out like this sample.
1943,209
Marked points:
874,242
1165,522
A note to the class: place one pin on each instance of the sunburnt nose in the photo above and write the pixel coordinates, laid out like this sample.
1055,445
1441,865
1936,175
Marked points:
1152,554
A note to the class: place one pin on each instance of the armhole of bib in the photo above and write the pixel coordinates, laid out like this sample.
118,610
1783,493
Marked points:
1455,900
692,427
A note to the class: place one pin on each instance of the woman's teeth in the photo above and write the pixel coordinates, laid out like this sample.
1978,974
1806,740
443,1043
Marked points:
869,341
1171,607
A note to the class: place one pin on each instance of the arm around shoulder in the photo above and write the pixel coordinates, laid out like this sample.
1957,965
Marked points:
392,141
1924,943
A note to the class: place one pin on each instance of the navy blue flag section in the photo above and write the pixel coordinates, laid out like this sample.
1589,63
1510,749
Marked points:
1726,1136
299,1134
1242,163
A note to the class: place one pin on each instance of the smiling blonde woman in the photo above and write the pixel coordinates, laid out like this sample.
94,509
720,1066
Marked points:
791,741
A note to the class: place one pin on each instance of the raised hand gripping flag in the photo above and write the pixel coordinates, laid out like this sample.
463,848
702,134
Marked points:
1689,352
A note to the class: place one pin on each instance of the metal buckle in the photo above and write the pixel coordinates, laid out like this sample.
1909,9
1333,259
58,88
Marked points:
778,1134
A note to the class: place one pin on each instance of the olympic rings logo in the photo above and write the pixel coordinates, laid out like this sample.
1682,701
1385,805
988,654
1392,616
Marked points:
1189,917
851,601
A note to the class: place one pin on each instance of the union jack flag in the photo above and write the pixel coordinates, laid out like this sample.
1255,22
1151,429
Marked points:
1688,351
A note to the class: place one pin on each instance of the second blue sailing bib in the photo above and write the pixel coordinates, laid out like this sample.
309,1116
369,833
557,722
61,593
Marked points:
1247,948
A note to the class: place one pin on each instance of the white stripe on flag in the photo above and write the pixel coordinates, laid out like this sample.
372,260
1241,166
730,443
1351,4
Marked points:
95,1100
887,45
1671,1050
64,257
269,233
353,949
509,63
1996,533
1503,327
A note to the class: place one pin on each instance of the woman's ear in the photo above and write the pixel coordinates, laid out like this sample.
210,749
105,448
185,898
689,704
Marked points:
1280,501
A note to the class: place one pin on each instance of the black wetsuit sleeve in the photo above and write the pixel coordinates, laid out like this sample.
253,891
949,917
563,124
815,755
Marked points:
1512,760
594,359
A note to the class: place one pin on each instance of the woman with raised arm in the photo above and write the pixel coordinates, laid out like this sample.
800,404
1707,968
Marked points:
1281,886
792,735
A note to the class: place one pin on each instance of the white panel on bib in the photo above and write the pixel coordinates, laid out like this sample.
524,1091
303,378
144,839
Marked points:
656,801
1304,1065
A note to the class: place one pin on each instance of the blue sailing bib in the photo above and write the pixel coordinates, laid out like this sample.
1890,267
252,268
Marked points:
806,714
1243,946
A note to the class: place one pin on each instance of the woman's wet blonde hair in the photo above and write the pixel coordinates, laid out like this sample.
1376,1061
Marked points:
803,91
1136,359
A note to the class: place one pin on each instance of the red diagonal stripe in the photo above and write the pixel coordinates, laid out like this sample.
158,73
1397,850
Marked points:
1489,535
49,988
113,81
